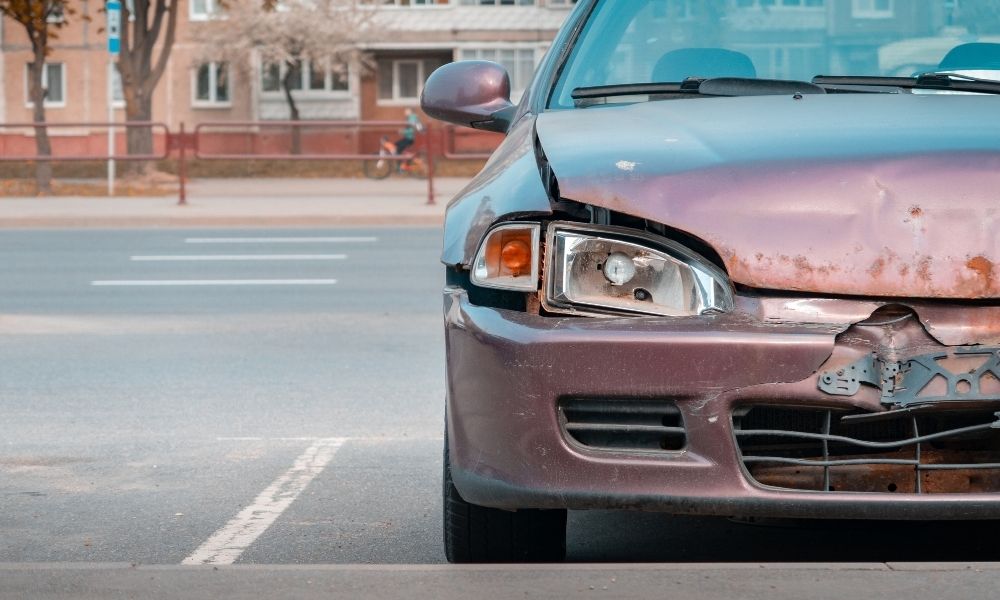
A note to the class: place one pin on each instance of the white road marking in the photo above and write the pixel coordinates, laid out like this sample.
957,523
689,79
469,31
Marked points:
235,257
226,545
282,240
208,282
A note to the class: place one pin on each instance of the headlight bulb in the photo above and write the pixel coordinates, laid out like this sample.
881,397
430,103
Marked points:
619,268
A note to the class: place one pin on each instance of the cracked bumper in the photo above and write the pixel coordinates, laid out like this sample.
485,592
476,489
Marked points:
508,370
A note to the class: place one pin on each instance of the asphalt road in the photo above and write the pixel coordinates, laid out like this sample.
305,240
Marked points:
142,416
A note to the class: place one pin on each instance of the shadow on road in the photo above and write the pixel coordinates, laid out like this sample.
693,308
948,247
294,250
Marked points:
610,536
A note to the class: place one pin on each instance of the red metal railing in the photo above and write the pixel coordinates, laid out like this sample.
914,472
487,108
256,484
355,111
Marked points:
244,140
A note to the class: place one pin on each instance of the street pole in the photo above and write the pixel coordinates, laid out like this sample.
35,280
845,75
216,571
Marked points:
111,128
114,11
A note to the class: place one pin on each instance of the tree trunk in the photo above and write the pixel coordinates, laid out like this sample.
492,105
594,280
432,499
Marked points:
141,69
139,140
293,110
43,168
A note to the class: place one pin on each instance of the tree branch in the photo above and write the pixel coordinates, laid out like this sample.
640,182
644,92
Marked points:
168,44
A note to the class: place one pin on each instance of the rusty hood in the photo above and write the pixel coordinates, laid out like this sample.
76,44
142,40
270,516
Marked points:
887,195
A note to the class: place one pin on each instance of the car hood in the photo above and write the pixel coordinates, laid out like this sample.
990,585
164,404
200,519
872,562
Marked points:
862,194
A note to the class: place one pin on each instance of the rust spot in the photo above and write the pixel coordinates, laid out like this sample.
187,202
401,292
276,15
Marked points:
924,269
904,270
802,264
983,268
760,256
979,284
916,212
877,267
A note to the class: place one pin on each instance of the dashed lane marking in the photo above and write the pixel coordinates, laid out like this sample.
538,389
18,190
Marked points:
235,257
226,545
208,282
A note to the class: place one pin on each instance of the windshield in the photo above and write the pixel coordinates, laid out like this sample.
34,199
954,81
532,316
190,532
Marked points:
654,41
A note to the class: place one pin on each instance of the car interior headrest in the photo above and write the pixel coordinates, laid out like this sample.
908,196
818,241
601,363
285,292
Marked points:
971,57
706,63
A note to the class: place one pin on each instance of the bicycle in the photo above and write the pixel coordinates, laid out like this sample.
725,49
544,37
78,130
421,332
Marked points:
415,164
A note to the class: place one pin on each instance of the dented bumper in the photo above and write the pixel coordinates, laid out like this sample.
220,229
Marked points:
513,376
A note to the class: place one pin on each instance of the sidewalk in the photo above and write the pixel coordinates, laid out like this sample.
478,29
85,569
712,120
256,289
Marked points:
246,202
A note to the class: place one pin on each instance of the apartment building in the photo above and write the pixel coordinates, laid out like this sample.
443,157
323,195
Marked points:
420,35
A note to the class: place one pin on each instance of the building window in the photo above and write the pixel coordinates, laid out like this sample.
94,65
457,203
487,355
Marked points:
53,81
498,2
306,77
872,9
211,85
519,62
202,10
402,80
561,2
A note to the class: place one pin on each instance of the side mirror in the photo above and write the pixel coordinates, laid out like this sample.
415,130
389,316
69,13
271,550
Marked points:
473,93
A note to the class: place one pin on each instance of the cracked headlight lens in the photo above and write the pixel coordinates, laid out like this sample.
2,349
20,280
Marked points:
600,269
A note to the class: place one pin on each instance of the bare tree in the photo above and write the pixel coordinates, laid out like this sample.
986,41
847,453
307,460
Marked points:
41,19
286,36
154,22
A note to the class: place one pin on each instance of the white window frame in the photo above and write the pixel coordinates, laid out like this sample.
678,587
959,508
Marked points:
211,11
865,9
45,84
212,86
396,99
304,91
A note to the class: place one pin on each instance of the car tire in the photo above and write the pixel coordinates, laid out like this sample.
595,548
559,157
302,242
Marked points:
479,534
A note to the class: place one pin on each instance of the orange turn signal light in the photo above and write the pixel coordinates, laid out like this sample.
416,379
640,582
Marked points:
509,257
515,256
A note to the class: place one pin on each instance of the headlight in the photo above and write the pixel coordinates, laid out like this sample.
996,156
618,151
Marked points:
508,258
613,269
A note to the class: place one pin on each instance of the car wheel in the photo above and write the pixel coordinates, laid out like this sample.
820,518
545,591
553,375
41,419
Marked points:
479,534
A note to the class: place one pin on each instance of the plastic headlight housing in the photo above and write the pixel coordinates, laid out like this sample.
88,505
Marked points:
508,258
600,270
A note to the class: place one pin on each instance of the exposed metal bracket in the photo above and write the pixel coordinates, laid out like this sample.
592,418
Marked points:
847,381
909,382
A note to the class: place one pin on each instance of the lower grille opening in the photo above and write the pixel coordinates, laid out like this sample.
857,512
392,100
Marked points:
623,425
924,450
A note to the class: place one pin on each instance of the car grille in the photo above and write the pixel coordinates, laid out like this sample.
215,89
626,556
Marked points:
623,425
923,450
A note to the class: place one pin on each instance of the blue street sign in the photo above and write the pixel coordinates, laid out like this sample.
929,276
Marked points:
114,8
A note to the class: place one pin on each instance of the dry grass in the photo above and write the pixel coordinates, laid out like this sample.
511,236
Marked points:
26,187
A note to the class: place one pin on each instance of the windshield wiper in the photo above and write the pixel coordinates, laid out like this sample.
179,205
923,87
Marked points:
688,86
718,86
955,82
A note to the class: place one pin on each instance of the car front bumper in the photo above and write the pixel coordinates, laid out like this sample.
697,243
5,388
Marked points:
508,370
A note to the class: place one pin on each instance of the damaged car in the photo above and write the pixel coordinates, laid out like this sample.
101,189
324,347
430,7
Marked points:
723,264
